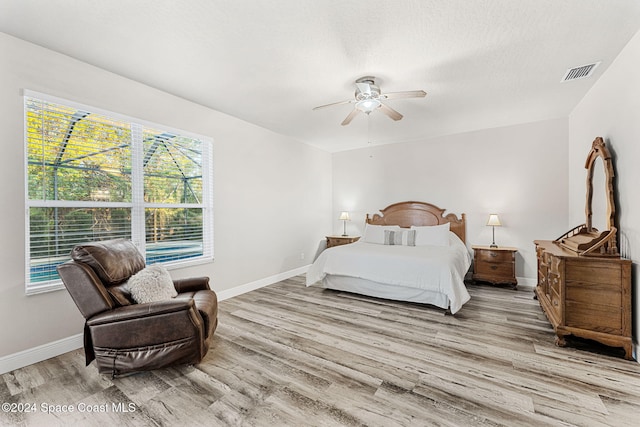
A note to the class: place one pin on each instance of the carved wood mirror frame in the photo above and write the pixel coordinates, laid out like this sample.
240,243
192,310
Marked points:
584,239
599,150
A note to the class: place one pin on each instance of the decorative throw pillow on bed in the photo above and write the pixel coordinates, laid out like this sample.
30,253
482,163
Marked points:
153,283
432,235
409,238
397,238
392,237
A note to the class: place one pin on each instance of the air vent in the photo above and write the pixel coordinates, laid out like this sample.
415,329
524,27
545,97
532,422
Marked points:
581,72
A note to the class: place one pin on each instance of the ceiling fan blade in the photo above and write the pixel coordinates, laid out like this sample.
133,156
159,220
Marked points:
350,117
406,94
390,112
332,104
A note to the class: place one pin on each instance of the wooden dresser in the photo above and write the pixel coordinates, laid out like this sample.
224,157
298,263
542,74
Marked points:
585,296
584,285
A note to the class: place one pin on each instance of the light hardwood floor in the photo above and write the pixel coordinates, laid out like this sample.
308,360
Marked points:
287,355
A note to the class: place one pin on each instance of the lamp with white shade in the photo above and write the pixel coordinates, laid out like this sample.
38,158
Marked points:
494,222
344,216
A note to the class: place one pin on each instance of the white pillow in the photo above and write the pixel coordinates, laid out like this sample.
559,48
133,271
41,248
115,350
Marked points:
152,283
375,233
432,235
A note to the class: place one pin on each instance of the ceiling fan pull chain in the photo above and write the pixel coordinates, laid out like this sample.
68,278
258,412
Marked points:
369,144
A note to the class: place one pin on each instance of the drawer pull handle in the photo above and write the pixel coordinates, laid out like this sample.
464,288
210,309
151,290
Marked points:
493,254
494,267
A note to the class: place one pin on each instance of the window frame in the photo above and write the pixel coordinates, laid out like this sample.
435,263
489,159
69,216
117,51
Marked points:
137,203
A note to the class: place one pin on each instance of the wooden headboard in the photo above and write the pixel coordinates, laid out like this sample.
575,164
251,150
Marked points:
406,214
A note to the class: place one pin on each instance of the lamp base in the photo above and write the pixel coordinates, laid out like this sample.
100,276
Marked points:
493,240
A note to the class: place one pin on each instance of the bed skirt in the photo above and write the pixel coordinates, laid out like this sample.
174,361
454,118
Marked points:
381,290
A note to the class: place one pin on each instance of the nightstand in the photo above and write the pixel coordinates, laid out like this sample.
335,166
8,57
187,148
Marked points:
495,265
340,240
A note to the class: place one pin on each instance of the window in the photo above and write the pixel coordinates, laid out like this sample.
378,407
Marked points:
93,175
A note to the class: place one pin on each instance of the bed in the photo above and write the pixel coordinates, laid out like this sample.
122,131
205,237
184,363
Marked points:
408,252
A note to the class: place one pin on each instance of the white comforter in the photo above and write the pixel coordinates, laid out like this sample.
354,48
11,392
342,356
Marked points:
434,268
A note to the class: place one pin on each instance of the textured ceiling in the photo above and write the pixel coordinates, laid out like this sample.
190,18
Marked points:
483,63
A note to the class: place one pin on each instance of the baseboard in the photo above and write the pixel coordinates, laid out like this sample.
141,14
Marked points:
64,345
527,283
248,287
40,353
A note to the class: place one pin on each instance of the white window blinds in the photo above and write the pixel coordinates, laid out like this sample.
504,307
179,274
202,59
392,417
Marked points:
93,175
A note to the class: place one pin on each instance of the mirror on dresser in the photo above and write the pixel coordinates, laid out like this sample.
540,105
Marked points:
584,286
598,235
599,203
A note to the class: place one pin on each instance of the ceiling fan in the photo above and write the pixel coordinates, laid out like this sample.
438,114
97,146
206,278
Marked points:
368,98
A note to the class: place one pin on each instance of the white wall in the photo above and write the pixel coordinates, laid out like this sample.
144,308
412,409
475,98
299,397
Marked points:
611,110
519,172
272,194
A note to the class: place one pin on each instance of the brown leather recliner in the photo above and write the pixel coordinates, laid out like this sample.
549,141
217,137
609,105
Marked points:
123,336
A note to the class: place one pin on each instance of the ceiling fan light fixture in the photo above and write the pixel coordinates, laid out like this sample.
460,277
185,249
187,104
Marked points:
367,98
368,105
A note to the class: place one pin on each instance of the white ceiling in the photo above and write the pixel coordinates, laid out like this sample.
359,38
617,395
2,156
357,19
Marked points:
483,63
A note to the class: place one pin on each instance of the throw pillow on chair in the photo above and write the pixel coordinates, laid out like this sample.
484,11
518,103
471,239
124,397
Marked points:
152,283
